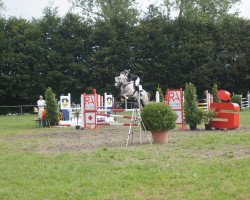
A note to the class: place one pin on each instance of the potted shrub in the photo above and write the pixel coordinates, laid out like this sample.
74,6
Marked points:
193,115
159,118
236,98
77,114
207,117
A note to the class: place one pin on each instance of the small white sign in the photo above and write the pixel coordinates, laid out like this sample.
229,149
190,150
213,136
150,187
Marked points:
179,118
65,102
109,101
90,118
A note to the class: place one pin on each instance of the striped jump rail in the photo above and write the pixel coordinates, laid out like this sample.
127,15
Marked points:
115,124
115,110
118,116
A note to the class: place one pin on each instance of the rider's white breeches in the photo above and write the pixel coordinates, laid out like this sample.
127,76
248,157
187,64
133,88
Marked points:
137,81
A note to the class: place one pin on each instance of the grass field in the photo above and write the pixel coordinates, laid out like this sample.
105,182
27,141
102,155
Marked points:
62,163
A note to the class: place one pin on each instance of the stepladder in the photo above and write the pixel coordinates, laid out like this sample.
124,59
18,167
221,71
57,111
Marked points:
136,120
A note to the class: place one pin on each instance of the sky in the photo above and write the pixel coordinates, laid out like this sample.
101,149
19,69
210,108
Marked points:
34,8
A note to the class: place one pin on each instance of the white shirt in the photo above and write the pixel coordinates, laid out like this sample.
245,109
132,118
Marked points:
40,104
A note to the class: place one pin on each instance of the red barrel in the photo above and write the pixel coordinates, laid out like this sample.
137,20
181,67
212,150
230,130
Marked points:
223,95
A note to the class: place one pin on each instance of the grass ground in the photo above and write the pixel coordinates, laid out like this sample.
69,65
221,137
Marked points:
62,163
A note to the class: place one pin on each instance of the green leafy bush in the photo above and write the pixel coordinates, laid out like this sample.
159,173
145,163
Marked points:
193,115
52,108
236,98
208,115
158,117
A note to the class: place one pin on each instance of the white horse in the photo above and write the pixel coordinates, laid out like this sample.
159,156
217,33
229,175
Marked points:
128,90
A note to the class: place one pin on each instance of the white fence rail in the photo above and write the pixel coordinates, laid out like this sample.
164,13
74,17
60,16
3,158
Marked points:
245,102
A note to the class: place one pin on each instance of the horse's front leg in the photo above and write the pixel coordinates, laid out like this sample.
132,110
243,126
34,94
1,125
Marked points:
124,96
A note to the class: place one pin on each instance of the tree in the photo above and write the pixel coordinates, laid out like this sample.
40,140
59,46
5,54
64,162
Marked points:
51,107
1,5
72,53
113,40
107,10
15,84
215,93
201,9
193,115
153,48
75,47
231,54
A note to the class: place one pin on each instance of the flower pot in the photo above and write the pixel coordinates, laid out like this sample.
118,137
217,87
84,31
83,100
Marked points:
208,127
77,127
192,127
160,137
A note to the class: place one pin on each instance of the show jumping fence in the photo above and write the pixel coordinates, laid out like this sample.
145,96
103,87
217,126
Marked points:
94,105
245,102
205,104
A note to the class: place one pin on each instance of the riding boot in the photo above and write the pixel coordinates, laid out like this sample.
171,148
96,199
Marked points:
137,88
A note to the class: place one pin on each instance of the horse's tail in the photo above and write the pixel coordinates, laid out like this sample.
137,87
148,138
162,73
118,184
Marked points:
145,99
149,96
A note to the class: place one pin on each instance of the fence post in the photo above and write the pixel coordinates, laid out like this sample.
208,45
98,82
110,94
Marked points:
105,103
21,109
157,97
248,100
241,102
207,99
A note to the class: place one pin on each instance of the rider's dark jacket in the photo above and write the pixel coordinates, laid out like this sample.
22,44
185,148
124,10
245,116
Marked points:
132,77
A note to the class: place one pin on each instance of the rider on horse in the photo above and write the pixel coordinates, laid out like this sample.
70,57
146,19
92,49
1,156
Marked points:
126,82
132,77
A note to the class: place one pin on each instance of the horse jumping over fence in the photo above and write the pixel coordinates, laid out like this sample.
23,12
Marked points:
128,91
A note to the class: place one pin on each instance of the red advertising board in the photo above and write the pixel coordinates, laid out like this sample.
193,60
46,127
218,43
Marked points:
90,108
175,101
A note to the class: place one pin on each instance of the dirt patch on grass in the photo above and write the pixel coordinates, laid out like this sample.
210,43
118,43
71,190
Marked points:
60,140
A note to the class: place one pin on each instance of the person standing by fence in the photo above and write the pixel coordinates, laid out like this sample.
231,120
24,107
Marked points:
40,104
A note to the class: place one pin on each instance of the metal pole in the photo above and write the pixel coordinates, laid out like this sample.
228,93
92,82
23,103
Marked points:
130,127
139,110
21,110
126,104
82,111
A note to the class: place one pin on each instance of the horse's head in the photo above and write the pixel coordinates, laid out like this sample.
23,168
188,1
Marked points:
120,80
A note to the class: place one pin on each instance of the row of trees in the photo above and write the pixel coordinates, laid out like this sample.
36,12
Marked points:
76,52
